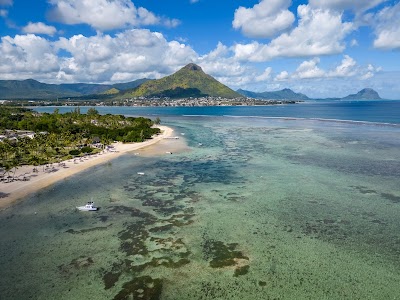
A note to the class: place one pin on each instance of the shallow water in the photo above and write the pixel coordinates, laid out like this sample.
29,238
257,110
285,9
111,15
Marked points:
263,209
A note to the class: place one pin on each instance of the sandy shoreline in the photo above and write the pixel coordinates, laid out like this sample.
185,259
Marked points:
13,191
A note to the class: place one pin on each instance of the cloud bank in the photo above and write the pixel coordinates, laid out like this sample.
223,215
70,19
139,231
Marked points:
265,19
387,28
319,32
104,15
39,28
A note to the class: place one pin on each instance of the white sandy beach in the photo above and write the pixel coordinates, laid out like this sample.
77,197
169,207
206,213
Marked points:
18,189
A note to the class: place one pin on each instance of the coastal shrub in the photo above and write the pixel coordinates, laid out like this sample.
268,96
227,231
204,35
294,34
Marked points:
92,112
75,152
86,149
56,134
133,137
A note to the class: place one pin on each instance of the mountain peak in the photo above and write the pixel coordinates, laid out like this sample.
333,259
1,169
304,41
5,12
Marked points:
367,90
30,80
192,67
189,81
364,94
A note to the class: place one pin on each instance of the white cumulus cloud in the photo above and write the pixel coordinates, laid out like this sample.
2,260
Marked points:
387,28
265,19
347,68
357,6
370,72
266,75
309,69
39,28
131,54
220,64
104,14
319,32
282,76
26,56
367,75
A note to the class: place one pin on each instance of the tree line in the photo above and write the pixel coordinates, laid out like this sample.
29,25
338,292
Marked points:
58,137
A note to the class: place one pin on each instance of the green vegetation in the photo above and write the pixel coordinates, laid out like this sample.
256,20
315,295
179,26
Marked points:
179,92
243,270
111,91
189,77
144,287
223,255
30,89
285,94
31,138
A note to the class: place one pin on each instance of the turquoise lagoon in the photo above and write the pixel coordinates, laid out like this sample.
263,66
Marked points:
264,208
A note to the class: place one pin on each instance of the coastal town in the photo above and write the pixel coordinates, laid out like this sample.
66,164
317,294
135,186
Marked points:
192,101
155,102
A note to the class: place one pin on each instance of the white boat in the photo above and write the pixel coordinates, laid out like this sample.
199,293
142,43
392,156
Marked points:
88,207
140,173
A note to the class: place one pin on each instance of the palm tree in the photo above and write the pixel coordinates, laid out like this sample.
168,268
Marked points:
34,160
7,149
14,165
23,149
7,168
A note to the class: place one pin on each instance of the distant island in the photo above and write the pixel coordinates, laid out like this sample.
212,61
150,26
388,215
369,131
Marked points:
364,94
189,86
288,94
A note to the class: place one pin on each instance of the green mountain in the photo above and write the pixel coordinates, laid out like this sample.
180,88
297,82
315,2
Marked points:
111,91
285,94
26,89
190,81
32,89
364,94
129,85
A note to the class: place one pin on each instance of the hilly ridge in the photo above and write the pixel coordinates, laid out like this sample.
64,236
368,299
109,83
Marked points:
285,94
32,89
29,88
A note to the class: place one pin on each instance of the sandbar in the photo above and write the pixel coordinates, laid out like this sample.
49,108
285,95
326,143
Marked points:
13,191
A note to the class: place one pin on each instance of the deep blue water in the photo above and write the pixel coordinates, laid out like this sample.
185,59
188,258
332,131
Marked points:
366,111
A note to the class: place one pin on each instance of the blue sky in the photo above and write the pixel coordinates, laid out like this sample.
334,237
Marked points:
323,48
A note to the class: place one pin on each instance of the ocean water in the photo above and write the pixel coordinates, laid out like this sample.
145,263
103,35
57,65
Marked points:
382,111
259,208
